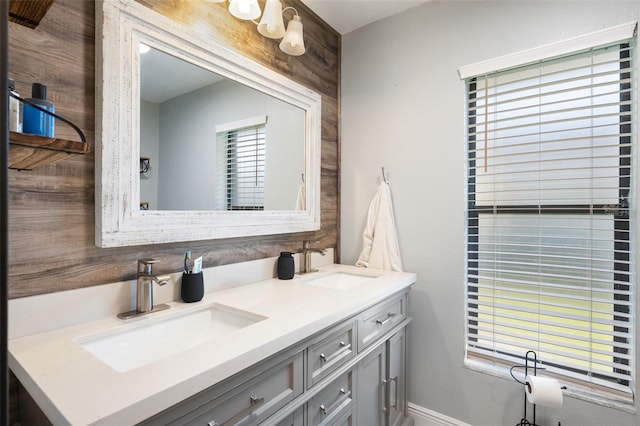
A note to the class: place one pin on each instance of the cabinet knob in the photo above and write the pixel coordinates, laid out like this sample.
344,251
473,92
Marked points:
255,400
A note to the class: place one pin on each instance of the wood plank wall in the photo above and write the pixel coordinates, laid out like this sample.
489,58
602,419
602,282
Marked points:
51,214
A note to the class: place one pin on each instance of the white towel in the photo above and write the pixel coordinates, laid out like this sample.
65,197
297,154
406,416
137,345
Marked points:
380,249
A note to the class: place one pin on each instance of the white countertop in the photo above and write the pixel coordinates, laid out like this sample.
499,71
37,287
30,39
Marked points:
73,387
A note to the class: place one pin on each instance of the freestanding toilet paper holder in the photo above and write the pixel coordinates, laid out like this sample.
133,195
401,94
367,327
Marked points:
524,421
534,387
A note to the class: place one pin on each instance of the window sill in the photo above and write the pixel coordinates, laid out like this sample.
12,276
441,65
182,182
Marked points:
573,390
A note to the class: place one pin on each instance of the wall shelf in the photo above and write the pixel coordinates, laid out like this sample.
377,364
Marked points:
28,152
28,12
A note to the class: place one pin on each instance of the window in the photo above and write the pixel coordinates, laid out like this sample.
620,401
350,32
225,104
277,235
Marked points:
241,155
245,169
550,178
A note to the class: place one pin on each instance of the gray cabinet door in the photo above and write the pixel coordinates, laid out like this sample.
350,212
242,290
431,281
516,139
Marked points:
381,384
396,378
371,395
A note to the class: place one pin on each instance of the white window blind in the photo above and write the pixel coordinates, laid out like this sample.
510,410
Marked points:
244,165
550,179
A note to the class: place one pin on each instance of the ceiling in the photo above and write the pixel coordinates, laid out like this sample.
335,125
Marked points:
347,15
153,84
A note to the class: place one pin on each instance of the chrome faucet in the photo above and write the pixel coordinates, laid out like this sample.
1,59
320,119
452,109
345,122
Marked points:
144,290
306,255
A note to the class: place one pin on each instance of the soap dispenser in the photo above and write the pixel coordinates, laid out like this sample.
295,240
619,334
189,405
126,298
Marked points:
35,121
286,266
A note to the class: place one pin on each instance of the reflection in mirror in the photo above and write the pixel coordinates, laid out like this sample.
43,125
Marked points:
215,144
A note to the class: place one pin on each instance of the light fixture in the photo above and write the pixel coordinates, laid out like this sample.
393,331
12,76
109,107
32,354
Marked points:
272,25
293,41
245,9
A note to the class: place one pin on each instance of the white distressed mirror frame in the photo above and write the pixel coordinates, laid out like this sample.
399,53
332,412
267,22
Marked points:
120,26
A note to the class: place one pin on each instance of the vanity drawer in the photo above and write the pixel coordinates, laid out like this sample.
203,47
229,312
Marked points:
330,405
379,319
329,351
345,420
250,402
294,419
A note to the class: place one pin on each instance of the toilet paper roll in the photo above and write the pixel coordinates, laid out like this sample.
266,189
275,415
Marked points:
543,391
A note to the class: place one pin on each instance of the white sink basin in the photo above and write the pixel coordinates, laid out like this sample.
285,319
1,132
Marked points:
341,280
151,339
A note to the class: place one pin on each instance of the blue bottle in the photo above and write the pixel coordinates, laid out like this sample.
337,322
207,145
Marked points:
34,121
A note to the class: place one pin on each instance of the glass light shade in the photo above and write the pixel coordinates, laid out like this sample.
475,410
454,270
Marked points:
271,25
293,41
245,9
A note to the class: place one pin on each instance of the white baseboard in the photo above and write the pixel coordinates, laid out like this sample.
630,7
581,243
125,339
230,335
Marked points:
425,417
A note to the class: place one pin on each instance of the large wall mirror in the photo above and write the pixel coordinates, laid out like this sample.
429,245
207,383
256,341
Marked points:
195,141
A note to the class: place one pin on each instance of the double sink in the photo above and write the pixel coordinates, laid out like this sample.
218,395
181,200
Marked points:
144,340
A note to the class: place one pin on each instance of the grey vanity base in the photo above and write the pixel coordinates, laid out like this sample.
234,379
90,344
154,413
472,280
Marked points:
352,373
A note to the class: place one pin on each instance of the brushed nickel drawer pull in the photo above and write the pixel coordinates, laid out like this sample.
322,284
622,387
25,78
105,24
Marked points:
253,401
390,316
337,403
395,397
383,396
346,349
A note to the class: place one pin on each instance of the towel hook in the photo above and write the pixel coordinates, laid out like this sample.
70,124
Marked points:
384,177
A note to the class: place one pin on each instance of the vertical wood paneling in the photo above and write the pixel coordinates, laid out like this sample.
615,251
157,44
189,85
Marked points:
51,214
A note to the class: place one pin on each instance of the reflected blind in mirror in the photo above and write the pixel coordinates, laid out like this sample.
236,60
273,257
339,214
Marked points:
245,168
549,199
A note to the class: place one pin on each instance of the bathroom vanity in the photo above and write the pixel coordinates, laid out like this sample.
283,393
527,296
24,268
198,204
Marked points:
323,348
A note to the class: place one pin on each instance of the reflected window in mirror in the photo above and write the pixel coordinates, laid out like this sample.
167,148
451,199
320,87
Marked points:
242,158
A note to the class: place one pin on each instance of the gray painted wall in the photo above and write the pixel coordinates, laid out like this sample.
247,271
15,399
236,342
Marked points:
403,108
